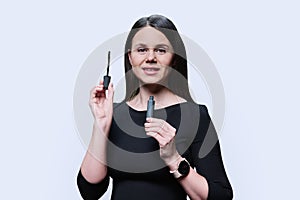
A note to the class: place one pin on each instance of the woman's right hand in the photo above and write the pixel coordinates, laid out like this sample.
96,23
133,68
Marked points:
101,105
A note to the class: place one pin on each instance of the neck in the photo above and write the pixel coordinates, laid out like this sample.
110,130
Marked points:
163,97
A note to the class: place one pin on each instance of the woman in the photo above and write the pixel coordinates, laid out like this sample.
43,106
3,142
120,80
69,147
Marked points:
159,161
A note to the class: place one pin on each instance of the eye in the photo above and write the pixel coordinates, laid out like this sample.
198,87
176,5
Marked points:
142,50
161,50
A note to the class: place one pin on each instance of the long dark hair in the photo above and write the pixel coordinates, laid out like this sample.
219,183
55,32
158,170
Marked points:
177,79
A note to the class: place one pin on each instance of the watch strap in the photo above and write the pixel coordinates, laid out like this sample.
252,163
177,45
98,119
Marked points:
175,172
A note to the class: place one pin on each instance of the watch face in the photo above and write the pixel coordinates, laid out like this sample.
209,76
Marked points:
184,168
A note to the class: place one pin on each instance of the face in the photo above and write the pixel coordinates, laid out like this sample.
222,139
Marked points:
150,56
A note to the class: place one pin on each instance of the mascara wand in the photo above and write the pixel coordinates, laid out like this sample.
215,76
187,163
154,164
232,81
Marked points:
106,78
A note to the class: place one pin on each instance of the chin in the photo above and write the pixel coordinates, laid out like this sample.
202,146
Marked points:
154,83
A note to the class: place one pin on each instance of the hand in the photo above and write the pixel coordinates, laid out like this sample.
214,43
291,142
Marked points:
101,105
164,133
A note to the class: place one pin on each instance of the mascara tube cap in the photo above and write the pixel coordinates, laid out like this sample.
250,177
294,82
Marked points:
106,80
150,107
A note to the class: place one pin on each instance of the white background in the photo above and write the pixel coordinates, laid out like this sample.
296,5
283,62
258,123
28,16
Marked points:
254,45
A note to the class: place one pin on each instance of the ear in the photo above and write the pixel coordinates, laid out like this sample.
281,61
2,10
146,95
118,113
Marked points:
129,56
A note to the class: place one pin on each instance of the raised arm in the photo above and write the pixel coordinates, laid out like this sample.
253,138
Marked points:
92,178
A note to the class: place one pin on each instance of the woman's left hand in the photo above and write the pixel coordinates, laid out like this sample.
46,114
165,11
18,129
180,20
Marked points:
164,133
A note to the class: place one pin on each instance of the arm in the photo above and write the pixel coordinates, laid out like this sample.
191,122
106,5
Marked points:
210,167
93,166
89,190
210,180
194,184
92,179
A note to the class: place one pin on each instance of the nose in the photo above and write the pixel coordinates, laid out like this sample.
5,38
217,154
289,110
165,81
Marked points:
151,57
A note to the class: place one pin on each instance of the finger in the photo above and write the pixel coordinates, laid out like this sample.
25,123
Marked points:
110,89
168,131
96,93
96,89
101,82
149,127
156,125
154,122
160,126
99,93
161,140
160,123
156,136
151,133
153,129
160,135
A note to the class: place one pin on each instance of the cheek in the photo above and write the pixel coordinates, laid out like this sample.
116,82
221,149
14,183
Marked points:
135,70
167,71
168,61
135,60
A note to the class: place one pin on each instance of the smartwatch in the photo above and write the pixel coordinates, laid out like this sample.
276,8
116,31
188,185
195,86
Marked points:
182,170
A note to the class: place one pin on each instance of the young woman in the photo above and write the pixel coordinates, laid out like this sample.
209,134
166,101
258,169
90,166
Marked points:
157,157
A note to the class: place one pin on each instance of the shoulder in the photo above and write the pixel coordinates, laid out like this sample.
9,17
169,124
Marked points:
204,111
118,105
201,108
115,105
200,114
195,113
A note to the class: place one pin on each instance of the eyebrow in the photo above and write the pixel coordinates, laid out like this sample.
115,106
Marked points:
158,45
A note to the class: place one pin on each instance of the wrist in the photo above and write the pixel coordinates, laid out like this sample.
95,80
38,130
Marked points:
100,127
173,163
182,170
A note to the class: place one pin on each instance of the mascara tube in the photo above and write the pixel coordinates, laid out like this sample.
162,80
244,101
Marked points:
150,107
106,78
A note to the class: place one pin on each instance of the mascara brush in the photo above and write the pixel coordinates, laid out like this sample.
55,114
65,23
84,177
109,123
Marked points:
106,78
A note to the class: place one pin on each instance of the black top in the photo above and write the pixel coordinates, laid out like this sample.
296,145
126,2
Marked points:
133,157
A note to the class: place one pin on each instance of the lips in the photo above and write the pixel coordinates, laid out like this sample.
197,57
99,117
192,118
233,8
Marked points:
150,70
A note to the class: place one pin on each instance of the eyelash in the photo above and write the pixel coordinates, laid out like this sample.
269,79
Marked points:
158,50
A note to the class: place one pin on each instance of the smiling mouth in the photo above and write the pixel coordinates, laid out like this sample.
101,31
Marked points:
150,69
